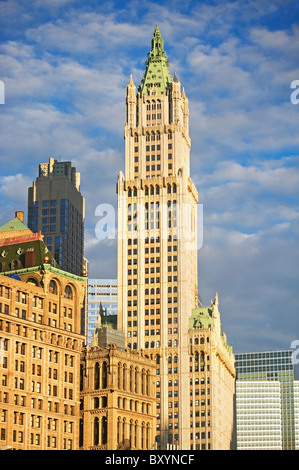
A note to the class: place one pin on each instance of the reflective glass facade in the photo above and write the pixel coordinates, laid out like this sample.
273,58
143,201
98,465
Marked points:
260,367
57,209
102,295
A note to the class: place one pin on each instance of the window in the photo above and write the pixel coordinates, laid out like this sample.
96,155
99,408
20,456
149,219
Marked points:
68,293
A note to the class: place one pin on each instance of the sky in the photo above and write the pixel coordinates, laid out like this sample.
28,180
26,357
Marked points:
65,65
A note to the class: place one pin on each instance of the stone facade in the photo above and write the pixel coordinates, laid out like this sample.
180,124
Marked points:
212,381
41,342
118,402
157,249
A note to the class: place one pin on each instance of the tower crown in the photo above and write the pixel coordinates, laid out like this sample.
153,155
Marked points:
157,73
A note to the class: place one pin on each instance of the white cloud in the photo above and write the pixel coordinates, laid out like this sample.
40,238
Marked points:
13,196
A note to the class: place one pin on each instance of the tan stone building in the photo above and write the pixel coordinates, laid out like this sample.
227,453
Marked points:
118,401
40,344
212,381
157,239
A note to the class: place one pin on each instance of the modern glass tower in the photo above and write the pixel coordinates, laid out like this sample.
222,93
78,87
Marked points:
57,209
265,400
102,297
157,244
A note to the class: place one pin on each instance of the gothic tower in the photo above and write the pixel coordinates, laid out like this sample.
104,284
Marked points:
157,238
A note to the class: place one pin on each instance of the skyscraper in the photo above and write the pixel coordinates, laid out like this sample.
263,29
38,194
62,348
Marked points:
57,208
157,218
266,379
102,297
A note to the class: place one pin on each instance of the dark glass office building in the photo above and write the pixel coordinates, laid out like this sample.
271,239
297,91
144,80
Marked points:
56,207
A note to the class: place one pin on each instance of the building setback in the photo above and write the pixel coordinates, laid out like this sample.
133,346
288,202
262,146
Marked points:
212,381
57,209
41,340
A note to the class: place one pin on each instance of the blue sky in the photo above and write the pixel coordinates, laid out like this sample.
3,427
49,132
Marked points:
66,64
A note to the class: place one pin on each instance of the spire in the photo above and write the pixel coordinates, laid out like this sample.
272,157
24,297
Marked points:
131,83
156,75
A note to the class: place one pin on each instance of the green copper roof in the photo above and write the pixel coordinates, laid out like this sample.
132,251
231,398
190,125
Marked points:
14,257
157,68
14,225
201,318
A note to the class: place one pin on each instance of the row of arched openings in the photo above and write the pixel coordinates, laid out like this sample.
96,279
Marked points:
68,291
132,379
100,431
100,375
137,434
152,190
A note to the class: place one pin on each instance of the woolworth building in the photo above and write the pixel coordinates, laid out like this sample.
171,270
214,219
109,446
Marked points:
157,265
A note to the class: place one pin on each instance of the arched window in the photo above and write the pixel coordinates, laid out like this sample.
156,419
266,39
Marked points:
68,293
97,376
124,428
104,430
118,430
96,431
131,433
142,435
196,362
104,375
202,361
147,436
14,264
131,379
119,371
147,382
135,433
124,376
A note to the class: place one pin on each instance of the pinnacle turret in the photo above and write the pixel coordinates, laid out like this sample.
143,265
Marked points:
156,75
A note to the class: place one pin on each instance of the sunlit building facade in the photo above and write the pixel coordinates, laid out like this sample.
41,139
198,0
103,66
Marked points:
40,340
117,397
157,238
